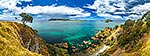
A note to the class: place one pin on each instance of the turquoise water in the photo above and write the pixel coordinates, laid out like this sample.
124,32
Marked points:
74,31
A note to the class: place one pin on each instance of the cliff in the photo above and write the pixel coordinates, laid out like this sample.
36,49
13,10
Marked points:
18,40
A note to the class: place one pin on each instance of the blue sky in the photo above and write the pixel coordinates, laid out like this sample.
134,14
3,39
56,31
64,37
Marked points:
75,9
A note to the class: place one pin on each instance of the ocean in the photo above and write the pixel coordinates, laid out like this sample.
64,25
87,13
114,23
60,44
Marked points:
73,31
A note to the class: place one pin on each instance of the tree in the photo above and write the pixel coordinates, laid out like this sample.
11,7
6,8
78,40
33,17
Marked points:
128,23
145,14
147,18
26,18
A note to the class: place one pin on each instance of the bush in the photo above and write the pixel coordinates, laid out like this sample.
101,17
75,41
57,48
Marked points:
128,23
54,51
148,24
103,54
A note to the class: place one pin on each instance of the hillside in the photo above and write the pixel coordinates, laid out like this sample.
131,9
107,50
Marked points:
130,39
16,40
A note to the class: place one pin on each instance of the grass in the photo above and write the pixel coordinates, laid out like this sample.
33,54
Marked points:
10,45
146,49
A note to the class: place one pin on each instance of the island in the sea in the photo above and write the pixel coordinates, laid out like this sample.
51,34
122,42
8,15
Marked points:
108,20
59,19
64,19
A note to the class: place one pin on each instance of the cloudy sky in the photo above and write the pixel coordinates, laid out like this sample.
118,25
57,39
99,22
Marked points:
75,9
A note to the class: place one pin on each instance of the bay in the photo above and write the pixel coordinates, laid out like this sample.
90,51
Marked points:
73,31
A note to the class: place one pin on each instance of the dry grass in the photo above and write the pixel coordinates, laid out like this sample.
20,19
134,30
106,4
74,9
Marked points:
10,45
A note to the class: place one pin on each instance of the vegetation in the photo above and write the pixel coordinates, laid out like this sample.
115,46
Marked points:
26,18
131,33
145,15
133,38
10,44
55,51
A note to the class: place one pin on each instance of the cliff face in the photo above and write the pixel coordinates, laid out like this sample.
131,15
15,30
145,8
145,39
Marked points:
17,40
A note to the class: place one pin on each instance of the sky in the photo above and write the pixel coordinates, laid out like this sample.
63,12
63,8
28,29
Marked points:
74,9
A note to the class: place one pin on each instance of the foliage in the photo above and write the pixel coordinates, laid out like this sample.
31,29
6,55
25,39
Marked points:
55,51
132,38
148,24
128,23
111,42
145,15
116,27
26,18
101,54
132,32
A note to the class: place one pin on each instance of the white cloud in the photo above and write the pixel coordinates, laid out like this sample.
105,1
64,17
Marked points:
81,15
103,7
63,10
119,12
95,5
10,5
108,16
132,17
105,4
7,17
54,10
141,9
26,0
119,7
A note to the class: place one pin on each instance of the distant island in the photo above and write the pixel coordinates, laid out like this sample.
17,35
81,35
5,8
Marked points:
108,20
64,19
59,19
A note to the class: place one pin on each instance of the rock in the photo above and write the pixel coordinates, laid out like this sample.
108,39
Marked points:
62,45
85,42
93,50
89,43
94,38
32,41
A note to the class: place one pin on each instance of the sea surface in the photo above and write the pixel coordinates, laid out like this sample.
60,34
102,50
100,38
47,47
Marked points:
73,31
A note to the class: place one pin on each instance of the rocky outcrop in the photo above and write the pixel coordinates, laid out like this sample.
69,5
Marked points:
21,39
102,35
